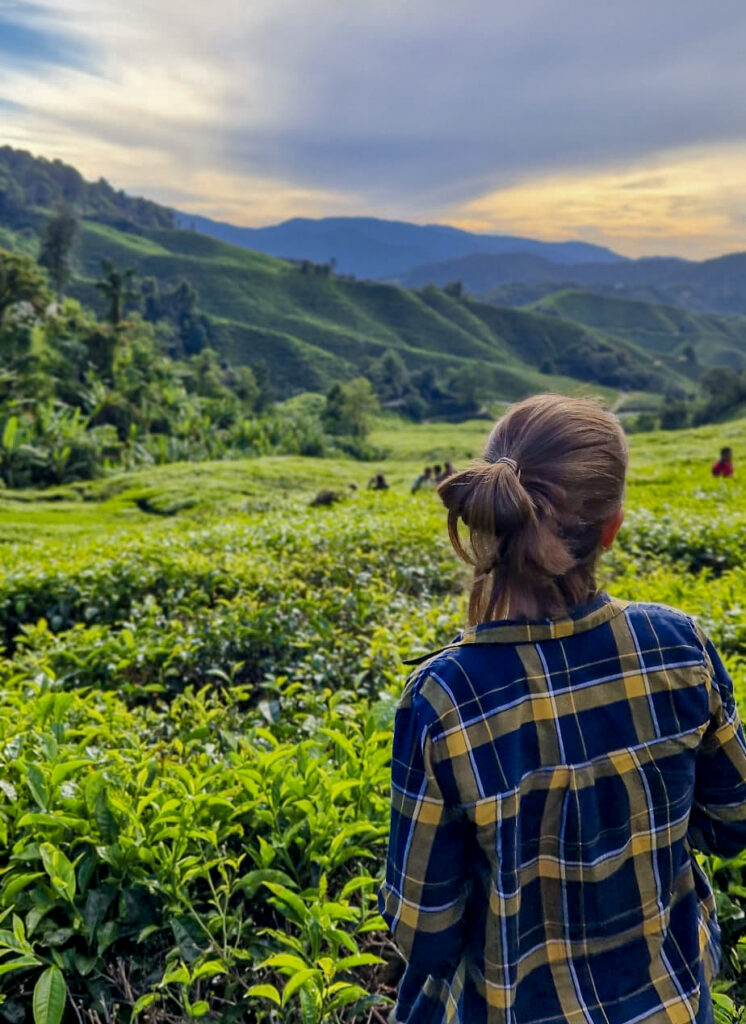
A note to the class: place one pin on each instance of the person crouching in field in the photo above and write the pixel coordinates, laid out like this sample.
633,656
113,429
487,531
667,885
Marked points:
555,766
724,465
425,479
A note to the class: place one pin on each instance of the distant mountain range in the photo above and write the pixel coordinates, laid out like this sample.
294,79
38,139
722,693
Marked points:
716,285
371,248
557,323
498,268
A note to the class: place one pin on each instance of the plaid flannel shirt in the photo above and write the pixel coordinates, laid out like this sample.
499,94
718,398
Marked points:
549,781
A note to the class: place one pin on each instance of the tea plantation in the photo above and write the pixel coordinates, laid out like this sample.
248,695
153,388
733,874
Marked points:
199,677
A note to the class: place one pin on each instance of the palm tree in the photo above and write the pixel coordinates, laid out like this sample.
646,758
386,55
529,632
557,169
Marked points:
117,288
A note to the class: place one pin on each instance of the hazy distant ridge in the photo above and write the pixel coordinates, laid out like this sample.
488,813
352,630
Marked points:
717,285
372,248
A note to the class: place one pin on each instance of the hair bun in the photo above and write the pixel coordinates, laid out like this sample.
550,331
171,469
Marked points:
489,497
535,517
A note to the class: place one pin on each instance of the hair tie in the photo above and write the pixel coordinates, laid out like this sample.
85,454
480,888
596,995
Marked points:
511,462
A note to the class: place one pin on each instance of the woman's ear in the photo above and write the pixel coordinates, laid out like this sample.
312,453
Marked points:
611,529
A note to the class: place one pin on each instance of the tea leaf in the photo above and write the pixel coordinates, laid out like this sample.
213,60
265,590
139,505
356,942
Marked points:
49,997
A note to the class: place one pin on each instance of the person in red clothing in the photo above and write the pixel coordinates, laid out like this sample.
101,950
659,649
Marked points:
724,465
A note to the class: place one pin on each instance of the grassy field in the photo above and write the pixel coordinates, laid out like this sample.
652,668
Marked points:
199,677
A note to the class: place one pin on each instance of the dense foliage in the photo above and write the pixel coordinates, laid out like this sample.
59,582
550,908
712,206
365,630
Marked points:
196,723
29,183
79,396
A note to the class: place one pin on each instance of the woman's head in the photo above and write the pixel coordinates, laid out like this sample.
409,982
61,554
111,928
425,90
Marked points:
539,506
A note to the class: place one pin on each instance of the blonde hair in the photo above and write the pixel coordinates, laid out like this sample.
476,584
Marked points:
535,505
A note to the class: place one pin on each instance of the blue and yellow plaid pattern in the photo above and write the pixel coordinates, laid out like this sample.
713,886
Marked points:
549,781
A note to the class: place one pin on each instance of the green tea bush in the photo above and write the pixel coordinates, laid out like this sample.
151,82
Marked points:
157,860
195,739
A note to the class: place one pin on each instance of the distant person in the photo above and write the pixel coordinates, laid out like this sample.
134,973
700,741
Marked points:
448,470
325,498
378,483
437,473
425,479
556,765
724,465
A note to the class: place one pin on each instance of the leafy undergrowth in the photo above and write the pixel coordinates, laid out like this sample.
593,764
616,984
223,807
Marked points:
195,737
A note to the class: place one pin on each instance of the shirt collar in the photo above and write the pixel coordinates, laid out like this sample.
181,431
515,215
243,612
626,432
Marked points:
587,616
595,612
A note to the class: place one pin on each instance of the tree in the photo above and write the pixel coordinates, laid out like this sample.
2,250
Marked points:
265,392
117,289
349,408
207,375
243,384
674,414
181,303
12,199
465,386
21,281
690,355
56,247
152,305
725,388
389,375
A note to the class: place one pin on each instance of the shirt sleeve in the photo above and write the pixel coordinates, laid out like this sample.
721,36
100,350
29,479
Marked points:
425,894
718,819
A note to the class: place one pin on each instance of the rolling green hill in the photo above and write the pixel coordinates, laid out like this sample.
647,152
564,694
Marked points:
667,331
311,327
307,324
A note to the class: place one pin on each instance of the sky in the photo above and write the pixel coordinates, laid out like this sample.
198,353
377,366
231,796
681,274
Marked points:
618,123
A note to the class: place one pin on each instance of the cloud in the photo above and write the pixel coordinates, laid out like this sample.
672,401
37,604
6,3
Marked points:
398,109
691,201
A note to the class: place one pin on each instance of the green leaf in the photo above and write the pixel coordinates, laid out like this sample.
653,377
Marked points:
84,964
97,904
60,870
209,970
345,995
359,960
310,1009
265,992
342,742
294,903
19,963
16,883
359,882
286,961
105,820
34,916
299,980
36,783
144,1002
199,1009
176,976
61,771
10,432
254,879
50,995
186,938
107,934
